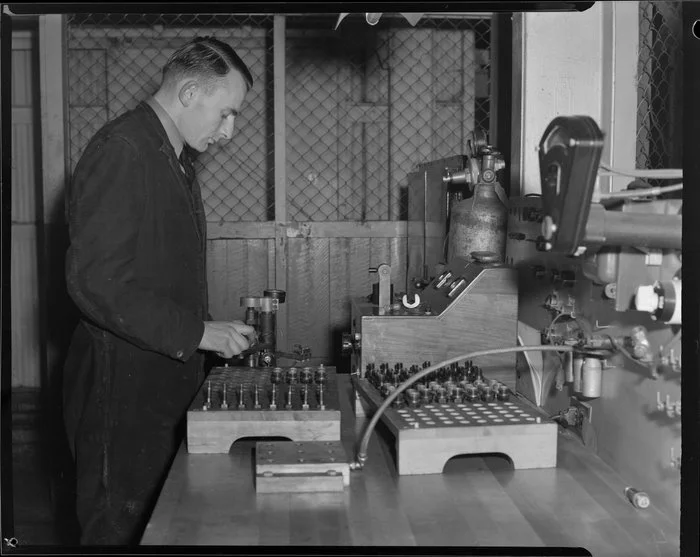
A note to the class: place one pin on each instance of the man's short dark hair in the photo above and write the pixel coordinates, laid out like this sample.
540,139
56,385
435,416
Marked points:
207,59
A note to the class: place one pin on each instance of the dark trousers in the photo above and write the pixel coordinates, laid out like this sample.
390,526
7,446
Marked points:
124,415
118,483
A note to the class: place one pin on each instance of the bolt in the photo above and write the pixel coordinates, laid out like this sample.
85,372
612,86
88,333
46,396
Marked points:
549,227
610,290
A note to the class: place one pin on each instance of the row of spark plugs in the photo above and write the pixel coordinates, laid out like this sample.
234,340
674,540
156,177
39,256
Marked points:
453,373
449,392
281,383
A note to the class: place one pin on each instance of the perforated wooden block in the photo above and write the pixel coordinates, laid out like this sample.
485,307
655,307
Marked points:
428,436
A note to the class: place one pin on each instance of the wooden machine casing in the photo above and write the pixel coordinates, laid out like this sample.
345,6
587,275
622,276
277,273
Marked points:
481,315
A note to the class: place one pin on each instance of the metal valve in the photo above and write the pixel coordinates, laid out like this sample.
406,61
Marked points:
350,343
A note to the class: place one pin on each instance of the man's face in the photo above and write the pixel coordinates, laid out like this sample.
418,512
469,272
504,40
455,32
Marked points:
210,115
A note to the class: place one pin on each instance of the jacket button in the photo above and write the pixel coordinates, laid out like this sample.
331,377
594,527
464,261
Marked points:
179,353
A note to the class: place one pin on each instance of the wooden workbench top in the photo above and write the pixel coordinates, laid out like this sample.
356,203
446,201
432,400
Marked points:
210,499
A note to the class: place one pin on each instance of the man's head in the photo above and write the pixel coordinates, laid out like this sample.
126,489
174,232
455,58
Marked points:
204,84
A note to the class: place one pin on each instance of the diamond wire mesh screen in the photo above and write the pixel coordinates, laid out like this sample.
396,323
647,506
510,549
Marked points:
364,104
660,84
115,62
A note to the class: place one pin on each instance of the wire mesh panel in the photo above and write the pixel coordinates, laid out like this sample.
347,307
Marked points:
115,62
660,85
366,104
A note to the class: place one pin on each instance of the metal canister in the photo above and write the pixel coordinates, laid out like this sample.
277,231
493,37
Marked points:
503,393
591,377
292,375
478,224
577,363
638,498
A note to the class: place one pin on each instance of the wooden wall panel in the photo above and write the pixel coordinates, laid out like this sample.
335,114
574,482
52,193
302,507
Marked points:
24,283
23,164
22,80
391,251
308,308
349,278
24,258
236,268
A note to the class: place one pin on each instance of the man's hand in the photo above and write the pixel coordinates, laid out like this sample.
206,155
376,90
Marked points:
226,338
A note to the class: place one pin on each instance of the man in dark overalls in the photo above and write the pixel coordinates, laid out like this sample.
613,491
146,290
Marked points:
136,269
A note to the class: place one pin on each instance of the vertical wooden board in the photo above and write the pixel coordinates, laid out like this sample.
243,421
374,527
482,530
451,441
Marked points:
348,278
412,110
23,163
24,282
216,276
22,85
271,262
391,251
236,277
256,265
398,254
307,295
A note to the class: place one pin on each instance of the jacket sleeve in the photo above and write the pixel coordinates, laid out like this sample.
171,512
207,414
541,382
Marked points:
105,205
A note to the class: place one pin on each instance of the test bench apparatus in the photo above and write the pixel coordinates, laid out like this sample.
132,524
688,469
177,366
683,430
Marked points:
471,304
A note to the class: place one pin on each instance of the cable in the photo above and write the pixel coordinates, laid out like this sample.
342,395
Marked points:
362,449
662,174
642,192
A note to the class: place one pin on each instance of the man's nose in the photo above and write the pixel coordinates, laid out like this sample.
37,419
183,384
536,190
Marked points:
226,129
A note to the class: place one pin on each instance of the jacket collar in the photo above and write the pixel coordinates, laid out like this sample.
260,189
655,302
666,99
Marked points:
173,134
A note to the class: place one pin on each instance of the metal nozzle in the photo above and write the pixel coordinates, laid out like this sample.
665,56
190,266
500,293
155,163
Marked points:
456,177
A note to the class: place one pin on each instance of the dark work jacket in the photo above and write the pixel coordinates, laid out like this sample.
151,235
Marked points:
136,269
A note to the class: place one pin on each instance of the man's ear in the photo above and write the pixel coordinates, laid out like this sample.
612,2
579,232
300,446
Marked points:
187,92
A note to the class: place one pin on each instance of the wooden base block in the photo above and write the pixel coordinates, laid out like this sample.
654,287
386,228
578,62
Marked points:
226,409
217,436
301,466
428,436
298,483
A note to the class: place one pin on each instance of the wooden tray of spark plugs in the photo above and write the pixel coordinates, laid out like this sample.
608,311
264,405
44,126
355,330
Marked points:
456,411
299,403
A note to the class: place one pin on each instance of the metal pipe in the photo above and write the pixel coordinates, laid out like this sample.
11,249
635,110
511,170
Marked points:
633,229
